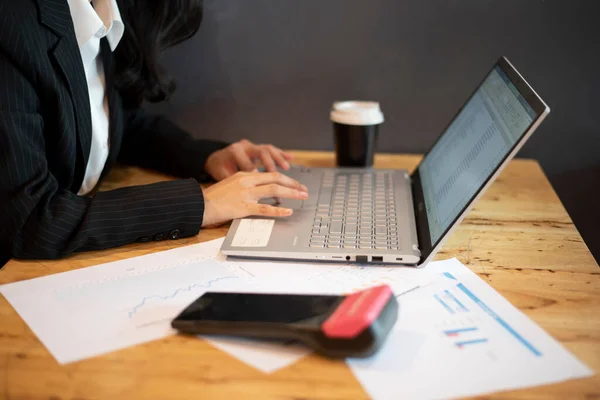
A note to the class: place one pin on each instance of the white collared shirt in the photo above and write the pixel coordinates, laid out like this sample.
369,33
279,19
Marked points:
92,24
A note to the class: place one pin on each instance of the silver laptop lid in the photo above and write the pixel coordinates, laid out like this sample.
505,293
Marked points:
484,135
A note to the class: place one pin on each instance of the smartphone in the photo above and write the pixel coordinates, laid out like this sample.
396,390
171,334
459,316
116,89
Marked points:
336,326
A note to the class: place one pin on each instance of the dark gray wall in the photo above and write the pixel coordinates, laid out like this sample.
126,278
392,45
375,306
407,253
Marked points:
268,70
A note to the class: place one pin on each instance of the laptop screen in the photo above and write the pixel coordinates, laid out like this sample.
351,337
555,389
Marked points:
471,149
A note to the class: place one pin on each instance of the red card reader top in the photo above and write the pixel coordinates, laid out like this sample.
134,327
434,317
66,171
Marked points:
357,312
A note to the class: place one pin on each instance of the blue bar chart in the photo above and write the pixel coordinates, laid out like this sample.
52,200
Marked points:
457,332
465,343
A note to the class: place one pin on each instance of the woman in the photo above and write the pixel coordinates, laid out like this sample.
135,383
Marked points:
72,77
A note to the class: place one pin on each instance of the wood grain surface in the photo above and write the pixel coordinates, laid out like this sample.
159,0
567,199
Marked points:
518,237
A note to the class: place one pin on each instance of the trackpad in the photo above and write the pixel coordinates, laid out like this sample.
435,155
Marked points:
312,180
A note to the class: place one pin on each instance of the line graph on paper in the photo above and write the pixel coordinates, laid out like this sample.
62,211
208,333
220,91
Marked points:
95,310
188,288
100,309
139,296
157,308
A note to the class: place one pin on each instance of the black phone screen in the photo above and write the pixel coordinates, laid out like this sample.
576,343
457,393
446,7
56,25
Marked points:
247,307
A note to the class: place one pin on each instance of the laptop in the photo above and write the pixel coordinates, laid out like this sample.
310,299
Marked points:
391,216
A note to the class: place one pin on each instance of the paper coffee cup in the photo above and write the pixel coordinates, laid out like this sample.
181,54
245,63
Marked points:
356,128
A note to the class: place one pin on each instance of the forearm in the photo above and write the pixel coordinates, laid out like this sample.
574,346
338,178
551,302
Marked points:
157,143
67,223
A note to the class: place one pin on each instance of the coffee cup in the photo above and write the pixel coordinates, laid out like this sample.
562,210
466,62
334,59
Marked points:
355,127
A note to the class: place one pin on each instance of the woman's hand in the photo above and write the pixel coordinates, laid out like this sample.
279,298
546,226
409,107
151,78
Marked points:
244,156
238,196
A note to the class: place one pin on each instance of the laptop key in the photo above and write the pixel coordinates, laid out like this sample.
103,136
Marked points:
380,230
350,228
336,227
324,197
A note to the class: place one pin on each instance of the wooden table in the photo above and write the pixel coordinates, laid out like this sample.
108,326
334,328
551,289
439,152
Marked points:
519,238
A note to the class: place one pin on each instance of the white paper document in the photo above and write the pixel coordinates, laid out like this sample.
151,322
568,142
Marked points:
455,336
95,310
458,337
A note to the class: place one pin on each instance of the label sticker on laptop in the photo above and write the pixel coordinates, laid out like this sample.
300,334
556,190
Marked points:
253,233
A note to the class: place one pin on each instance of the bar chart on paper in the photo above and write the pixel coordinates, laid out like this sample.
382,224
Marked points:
466,335
467,323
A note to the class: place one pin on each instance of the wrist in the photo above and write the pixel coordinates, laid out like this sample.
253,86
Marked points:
208,165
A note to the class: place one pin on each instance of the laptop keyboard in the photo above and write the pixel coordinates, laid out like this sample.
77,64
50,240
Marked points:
356,211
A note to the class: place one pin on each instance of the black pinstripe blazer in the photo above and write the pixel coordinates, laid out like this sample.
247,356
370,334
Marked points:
45,135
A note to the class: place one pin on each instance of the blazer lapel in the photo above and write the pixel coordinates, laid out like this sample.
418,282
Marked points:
56,16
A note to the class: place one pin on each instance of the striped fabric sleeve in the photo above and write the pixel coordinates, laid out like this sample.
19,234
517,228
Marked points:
39,219
153,141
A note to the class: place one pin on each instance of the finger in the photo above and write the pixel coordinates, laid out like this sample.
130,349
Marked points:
267,160
288,156
270,166
242,159
278,191
266,210
251,149
278,157
272,177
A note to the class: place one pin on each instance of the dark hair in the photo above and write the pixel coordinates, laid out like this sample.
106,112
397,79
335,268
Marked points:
151,26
